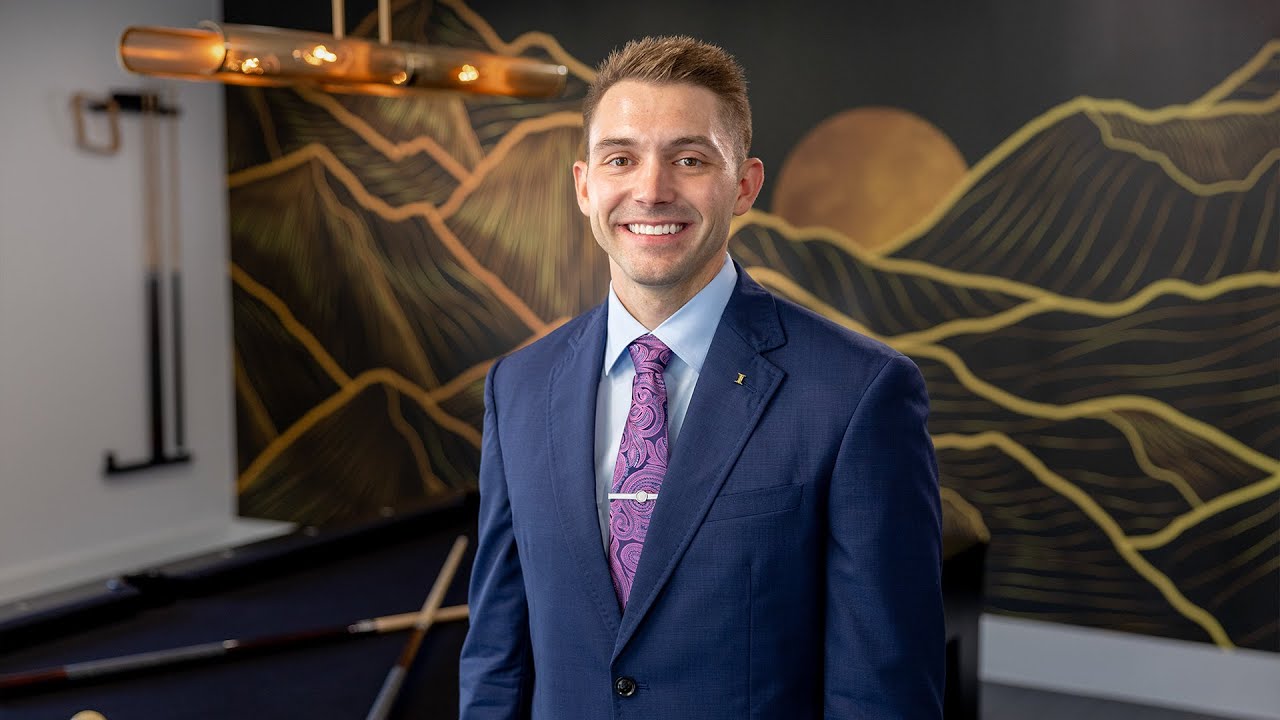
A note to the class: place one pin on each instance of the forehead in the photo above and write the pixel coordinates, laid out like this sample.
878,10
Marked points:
644,112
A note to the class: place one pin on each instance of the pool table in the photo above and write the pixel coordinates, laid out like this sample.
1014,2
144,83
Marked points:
322,579
312,579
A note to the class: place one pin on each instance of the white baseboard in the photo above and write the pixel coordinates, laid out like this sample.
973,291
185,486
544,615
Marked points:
1134,668
35,578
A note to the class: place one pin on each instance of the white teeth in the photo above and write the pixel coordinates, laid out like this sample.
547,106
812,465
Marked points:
668,229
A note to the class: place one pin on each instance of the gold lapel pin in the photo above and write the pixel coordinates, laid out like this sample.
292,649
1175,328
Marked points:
741,377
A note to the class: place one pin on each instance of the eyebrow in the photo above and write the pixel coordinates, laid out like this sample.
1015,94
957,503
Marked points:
607,143
702,140
685,141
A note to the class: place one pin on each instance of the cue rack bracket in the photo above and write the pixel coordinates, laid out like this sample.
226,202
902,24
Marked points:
113,105
148,105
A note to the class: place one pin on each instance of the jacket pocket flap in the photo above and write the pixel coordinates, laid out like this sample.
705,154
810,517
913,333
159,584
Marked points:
755,502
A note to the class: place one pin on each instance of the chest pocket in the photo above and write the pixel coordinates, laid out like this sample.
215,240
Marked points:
755,502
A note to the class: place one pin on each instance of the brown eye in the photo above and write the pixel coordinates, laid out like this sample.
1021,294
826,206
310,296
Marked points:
689,162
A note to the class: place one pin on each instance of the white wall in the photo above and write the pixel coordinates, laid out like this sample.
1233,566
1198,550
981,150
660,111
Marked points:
72,361
1178,674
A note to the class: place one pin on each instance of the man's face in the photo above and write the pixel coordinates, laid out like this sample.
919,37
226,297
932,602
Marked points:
661,185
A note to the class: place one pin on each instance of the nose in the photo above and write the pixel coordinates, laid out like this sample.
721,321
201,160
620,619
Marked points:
654,184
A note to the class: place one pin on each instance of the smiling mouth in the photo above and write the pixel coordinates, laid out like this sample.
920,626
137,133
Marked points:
663,229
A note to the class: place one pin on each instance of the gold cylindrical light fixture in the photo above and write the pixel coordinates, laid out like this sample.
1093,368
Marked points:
250,55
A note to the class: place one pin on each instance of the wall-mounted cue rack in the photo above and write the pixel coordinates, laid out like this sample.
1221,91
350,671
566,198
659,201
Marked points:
153,114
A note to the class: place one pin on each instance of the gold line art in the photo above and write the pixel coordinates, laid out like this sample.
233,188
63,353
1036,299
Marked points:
425,210
322,357
1086,206
430,482
462,120
467,377
254,406
1209,538
1125,240
1177,174
1084,243
792,289
349,387
552,46
260,109
922,269
550,121
1258,573
277,166
523,129
1268,207
1260,60
477,372
526,40
394,151
1093,308
1241,560
1148,466
1047,120
374,271
1190,519
1100,517
1065,161
1094,407
1148,245
291,324
338,400
1228,234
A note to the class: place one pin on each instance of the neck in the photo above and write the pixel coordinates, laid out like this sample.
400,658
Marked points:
651,306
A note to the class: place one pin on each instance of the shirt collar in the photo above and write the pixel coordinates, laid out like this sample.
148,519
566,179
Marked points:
688,332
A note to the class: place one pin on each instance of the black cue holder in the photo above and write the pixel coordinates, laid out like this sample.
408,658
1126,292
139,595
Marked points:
145,103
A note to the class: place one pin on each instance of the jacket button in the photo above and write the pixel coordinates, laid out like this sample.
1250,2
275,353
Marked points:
624,686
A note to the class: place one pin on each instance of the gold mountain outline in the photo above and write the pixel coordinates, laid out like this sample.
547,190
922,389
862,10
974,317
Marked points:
1122,543
1045,300
1095,407
1200,108
349,387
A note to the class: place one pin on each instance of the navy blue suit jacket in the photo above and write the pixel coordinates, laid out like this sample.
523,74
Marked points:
791,568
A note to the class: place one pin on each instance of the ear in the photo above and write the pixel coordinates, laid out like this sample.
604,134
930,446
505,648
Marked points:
580,185
750,180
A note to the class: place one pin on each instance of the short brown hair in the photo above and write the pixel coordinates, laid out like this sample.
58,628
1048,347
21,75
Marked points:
677,59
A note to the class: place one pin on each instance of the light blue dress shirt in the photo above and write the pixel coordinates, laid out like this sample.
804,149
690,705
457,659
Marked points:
688,333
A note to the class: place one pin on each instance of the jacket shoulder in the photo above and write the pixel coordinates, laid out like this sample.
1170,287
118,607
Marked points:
810,332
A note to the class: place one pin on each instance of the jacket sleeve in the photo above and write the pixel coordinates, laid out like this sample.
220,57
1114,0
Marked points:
885,636
496,666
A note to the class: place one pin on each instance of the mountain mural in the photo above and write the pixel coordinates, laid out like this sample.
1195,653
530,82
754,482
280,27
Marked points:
1094,307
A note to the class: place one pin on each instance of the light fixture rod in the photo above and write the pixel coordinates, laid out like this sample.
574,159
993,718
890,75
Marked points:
384,21
339,19
248,55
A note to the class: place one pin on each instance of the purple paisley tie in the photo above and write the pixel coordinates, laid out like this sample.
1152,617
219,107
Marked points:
642,462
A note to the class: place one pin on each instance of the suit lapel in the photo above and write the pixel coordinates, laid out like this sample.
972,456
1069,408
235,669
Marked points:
571,418
720,419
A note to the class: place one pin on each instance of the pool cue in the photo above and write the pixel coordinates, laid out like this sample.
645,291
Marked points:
155,267
175,284
395,677
32,680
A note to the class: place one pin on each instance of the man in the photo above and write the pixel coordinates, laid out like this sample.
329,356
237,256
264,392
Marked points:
698,500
